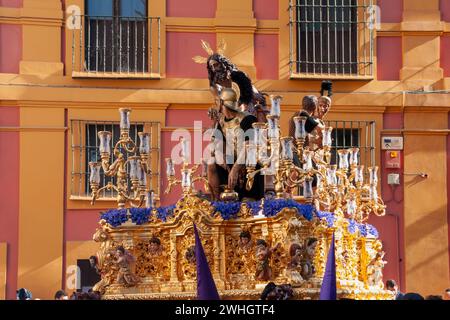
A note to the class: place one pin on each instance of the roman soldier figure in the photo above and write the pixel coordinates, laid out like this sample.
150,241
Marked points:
228,168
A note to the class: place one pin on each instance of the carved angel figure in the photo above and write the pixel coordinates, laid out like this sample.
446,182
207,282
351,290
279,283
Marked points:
263,254
294,269
375,270
124,261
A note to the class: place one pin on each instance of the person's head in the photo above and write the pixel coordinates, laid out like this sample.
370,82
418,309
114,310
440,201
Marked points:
23,294
295,249
218,67
269,291
61,295
229,101
245,237
261,243
311,245
324,106
447,294
154,243
120,251
391,285
433,297
309,104
412,296
93,261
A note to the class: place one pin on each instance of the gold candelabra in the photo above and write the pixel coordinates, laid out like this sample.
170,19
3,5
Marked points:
188,177
128,164
337,189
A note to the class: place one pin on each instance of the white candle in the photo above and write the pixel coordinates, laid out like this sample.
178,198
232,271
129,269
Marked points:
300,131
105,141
276,108
125,118
95,172
144,146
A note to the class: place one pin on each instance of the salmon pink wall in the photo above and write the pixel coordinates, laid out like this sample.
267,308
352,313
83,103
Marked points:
266,49
391,226
445,56
389,58
11,3
9,194
193,8
186,118
10,48
448,185
391,10
181,47
445,10
265,9
81,224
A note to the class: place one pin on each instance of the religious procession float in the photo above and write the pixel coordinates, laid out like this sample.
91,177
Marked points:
267,219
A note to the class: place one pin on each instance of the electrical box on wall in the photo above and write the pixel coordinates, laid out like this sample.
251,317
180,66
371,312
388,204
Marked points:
391,143
393,179
393,159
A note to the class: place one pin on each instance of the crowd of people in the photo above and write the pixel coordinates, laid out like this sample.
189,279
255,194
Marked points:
391,285
25,294
270,292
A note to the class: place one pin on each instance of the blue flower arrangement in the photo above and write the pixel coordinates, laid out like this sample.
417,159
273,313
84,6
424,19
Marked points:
115,217
227,210
140,215
352,226
329,217
367,230
164,212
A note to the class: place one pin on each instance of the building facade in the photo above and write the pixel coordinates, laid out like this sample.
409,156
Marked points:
66,66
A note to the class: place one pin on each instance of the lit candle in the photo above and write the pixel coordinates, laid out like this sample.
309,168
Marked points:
272,127
307,188
258,130
95,172
276,109
354,152
300,131
351,208
150,199
319,181
307,156
105,141
142,175
286,148
144,146
343,159
134,167
373,175
186,178
170,169
331,175
125,118
359,175
326,140
251,156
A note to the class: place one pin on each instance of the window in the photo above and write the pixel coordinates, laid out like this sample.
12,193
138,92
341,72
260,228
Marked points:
117,37
353,134
331,38
85,149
